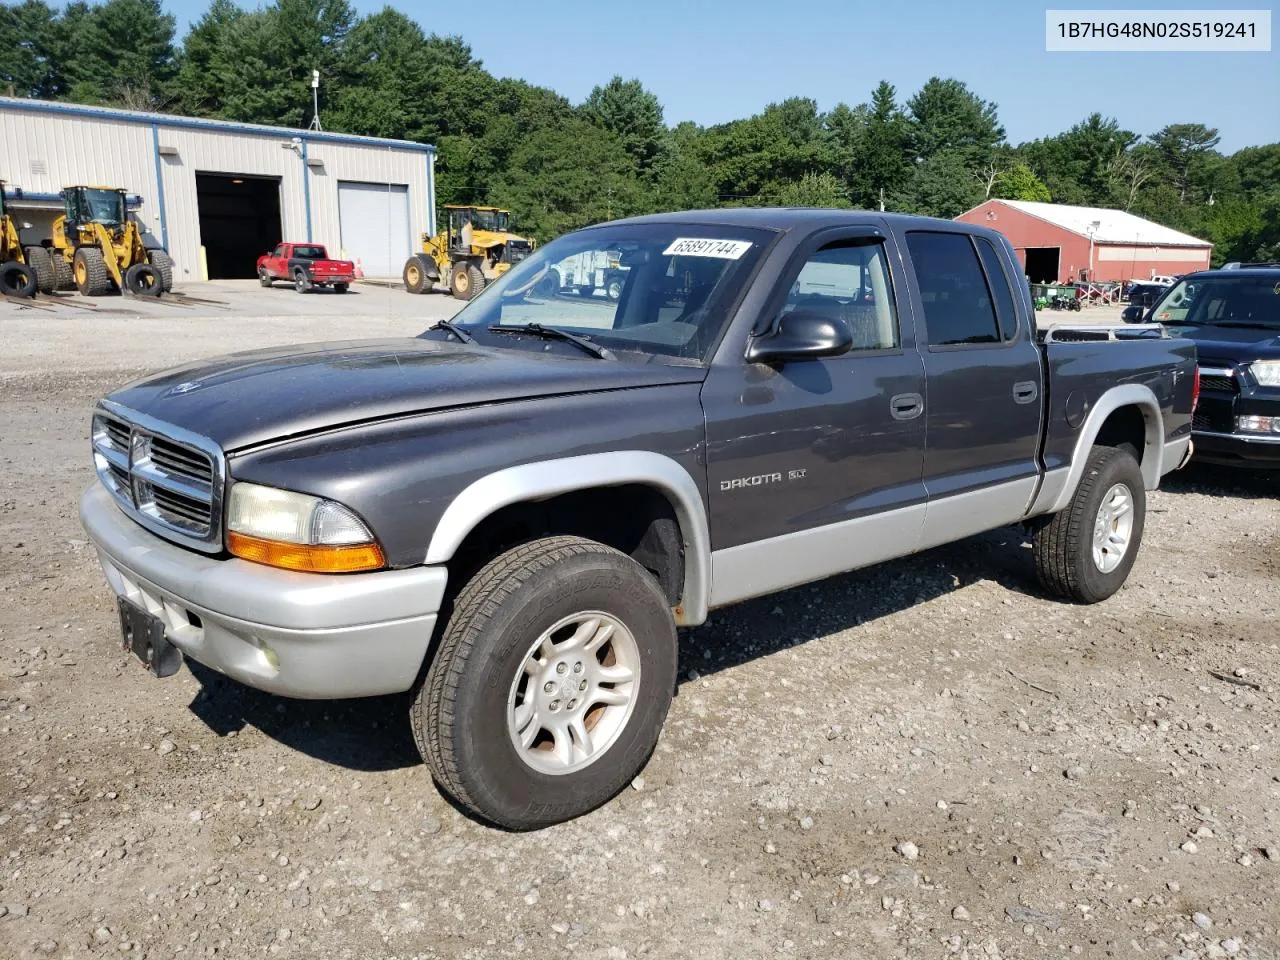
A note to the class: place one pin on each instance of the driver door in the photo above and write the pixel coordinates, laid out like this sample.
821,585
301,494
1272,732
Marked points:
817,465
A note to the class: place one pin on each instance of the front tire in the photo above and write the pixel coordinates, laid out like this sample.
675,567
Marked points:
90,269
1085,552
264,278
164,266
550,685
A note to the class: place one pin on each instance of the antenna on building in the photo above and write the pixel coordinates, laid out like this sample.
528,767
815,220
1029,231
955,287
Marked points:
315,102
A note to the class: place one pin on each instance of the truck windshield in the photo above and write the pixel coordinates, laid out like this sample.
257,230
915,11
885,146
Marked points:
492,220
1222,301
104,206
659,288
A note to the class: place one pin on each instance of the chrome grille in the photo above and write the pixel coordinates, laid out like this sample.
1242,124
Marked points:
166,479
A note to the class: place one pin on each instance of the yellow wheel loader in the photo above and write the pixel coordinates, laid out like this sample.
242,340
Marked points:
475,248
98,248
22,271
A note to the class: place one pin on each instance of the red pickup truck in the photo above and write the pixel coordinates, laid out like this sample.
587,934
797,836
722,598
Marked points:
307,266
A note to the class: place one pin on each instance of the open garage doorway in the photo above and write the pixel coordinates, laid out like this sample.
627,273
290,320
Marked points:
1042,264
239,221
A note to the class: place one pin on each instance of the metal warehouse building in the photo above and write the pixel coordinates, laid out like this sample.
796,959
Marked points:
1059,243
218,194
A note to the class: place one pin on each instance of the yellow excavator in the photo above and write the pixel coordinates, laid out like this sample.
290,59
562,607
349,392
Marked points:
20,270
475,248
99,248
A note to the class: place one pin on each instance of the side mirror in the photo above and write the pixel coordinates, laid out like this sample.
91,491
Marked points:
1132,314
802,335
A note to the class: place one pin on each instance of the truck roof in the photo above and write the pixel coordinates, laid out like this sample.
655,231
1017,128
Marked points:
791,218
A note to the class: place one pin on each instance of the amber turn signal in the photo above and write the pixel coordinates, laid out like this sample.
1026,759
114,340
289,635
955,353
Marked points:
301,556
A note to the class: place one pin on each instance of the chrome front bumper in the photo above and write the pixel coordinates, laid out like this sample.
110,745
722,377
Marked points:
313,636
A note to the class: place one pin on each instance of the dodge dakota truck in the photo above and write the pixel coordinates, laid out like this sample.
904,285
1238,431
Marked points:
509,516
307,266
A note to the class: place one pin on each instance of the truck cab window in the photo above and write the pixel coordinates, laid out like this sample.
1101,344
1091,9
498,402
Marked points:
849,280
998,280
957,303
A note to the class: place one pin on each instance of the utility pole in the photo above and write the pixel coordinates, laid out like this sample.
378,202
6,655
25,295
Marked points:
882,199
315,102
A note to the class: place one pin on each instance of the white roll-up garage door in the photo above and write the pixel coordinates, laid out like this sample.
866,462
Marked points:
375,226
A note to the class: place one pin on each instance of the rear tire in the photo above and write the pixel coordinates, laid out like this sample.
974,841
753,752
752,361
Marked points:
92,278
143,280
38,260
559,602
1085,552
164,266
17,280
63,277
301,282
340,288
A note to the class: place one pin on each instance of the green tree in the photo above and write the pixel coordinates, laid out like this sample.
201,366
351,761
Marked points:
947,117
1079,166
942,186
28,53
681,181
201,86
1019,182
813,190
119,52
1184,148
632,114
567,176
749,158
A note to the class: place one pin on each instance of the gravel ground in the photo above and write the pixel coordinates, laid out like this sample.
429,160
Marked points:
925,759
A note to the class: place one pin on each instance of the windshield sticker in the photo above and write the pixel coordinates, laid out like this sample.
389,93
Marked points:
703,247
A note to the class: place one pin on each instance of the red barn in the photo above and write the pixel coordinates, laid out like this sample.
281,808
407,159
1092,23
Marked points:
1057,243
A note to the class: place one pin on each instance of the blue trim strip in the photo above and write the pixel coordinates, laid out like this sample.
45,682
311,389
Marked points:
164,223
192,123
306,188
19,195
431,198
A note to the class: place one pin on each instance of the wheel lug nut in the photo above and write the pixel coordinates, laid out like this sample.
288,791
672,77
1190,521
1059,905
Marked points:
577,668
555,704
561,668
548,687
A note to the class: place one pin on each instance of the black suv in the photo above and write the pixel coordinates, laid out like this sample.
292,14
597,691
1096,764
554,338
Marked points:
1233,315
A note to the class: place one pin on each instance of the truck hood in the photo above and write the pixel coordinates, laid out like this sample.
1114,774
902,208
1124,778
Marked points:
1234,344
245,399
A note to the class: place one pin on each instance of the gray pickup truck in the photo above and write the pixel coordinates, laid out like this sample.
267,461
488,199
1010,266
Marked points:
510,515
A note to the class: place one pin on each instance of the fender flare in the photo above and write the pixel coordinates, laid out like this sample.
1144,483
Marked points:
549,478
1152,456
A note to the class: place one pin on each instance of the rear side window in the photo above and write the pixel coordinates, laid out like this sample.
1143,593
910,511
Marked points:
998,280
957,303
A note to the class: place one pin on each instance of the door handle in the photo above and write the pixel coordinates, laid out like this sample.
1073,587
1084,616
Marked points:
1025,391
906,406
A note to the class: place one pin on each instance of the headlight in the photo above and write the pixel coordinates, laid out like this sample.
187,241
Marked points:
1266,372
298,532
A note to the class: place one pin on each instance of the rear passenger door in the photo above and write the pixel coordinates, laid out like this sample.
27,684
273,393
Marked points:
983,377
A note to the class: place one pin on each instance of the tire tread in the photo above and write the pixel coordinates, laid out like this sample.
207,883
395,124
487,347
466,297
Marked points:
433,716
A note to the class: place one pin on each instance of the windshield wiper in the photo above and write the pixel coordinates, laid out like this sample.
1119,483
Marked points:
554,333
450,327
